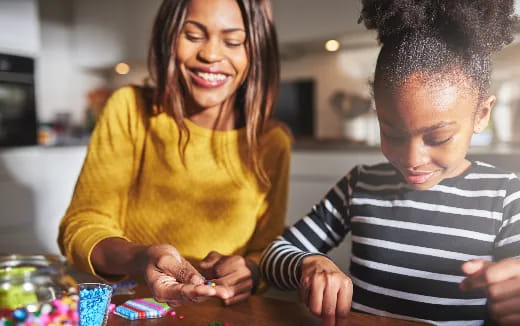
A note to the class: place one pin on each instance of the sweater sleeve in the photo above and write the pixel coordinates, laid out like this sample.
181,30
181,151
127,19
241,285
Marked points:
322,229
271,216
100,195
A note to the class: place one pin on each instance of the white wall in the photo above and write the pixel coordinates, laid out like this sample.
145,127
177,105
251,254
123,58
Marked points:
62,85
349,70
19,28
108,32
305,20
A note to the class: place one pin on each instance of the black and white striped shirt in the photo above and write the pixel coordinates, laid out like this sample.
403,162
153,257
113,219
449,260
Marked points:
408,245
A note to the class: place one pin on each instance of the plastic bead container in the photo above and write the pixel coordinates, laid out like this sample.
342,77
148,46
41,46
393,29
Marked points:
94,301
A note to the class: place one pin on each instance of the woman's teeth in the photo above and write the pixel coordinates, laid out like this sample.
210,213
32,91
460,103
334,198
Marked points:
211,77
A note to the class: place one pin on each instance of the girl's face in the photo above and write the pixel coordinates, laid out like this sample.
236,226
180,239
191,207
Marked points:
426,128
211,52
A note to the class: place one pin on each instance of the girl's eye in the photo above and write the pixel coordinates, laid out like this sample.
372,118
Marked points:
438,142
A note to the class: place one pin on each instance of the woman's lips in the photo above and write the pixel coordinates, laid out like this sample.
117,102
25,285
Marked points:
418,178
208,79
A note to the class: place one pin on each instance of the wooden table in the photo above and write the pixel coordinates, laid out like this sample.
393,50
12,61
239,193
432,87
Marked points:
257,311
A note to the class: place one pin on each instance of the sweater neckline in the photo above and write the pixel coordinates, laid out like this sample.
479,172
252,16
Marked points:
203,131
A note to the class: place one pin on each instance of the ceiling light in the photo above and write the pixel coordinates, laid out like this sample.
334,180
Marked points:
332,45
122,68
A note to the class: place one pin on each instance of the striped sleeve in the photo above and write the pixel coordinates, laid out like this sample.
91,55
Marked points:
317,233
507,242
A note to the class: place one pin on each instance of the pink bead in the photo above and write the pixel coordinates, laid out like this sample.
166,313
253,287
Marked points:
111,307
172,313
181,317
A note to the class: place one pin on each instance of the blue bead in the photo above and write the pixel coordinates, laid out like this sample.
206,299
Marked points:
20,314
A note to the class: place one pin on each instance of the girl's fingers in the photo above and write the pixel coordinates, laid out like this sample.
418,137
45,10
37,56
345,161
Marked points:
476,271
502,309
510,320
344,299
489,273
316,293
305,290
504,290
330,298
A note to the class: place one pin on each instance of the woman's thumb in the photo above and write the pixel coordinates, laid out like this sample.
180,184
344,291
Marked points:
210,260
188,274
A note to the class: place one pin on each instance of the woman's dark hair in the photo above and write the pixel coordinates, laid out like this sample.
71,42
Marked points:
438,36
257,95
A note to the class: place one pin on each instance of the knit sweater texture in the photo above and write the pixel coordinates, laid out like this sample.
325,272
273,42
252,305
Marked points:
134,185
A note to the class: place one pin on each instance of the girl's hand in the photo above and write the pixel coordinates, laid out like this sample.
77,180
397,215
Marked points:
175,281
501,280
326,290
234,272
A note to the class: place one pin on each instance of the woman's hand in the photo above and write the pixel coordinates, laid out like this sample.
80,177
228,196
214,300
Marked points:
235,272
501,280
326,290
174,280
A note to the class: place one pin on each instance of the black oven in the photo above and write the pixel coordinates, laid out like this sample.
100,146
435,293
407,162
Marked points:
18,124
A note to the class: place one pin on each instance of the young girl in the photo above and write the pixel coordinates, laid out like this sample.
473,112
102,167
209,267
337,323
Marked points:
194,170
436,238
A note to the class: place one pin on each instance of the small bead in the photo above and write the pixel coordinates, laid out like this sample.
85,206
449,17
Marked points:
181,317
172,313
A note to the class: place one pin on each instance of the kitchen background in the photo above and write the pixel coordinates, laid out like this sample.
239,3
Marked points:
84,49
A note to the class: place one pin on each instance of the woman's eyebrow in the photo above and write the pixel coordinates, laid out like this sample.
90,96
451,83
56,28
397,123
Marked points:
204,28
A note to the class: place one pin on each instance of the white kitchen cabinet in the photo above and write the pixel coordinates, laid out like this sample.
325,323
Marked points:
36,185
19,27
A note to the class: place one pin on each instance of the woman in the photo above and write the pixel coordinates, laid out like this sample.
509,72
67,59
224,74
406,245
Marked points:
193,170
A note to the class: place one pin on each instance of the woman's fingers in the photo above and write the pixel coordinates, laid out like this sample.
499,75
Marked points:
237,298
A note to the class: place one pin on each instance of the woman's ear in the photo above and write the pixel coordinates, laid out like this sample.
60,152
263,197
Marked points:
483,114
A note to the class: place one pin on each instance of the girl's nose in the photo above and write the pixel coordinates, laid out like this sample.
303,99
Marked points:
414,154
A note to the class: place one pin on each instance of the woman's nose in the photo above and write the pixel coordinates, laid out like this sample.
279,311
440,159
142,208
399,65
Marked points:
211,51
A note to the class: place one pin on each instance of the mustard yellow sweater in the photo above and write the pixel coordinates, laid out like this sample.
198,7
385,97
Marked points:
134,186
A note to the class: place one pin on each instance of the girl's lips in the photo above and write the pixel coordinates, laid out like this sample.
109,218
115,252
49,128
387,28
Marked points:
199,81
418,178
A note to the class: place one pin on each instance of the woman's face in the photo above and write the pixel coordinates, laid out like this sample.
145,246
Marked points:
211,52
426,128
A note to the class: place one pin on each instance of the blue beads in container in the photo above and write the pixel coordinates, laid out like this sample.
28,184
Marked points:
94,299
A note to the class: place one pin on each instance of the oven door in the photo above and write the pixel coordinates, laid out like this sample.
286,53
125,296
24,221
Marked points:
18,126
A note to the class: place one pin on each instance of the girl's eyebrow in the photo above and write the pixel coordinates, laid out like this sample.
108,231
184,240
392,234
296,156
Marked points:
435,126
425,129
204,28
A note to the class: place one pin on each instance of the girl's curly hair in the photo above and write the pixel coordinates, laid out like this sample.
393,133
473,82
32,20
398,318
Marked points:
431,36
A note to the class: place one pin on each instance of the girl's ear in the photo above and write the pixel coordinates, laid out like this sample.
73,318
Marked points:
483,114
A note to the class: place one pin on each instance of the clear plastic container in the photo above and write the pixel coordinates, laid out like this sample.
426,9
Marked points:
32,279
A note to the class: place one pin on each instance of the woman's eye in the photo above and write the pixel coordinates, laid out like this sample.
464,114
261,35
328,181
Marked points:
194,37
233,43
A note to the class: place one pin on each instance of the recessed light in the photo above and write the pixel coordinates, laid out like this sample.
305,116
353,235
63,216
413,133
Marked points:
122,68
332,45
